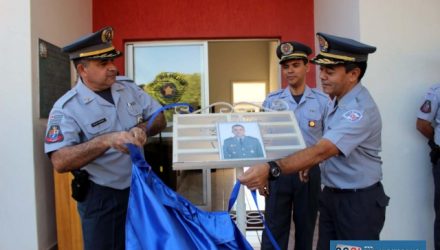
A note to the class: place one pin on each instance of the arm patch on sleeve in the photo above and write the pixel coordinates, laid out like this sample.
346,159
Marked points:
54,134
352,115
426,107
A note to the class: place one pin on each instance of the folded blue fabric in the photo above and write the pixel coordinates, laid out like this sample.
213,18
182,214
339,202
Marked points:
159,218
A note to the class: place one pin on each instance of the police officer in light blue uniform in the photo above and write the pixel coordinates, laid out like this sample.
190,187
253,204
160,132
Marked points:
355,112
88,129
81,115
241,146
353,202
428,123
288,193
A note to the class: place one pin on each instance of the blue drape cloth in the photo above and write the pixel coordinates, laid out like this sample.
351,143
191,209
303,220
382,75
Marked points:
159,218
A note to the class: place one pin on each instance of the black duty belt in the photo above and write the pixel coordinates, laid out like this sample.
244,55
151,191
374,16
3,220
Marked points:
354,190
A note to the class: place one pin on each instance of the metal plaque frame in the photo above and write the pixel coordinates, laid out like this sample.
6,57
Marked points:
196,142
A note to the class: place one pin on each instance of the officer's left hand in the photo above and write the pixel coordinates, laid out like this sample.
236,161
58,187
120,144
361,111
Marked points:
256,176
139,135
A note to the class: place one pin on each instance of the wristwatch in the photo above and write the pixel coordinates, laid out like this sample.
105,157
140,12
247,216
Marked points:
274,170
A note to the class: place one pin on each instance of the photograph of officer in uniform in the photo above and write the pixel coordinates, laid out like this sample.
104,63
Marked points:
241,145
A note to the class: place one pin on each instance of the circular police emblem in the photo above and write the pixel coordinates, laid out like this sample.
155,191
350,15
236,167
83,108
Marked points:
286,48
170,87
168,90
352,115
323,44
167,87
107,35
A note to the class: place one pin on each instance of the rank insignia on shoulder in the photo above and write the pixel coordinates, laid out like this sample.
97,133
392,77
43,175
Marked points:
55,119
54,134
352,115
426,107
312,124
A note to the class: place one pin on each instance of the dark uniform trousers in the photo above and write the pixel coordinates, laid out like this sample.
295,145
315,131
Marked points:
349,214
287,192
436,174
103,215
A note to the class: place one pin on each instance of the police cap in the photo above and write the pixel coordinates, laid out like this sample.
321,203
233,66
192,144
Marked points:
340,50
97,45
292,50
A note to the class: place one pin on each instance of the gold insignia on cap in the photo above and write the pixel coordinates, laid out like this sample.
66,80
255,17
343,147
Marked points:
96,52
339,57
107,35
286,48
323,44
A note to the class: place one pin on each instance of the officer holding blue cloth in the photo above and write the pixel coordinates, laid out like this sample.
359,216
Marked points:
289,198
352,202
88,129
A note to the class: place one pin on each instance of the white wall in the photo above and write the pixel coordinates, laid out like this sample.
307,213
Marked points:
17,196
65,22
337,17
399,73
404,66
58,22
27,213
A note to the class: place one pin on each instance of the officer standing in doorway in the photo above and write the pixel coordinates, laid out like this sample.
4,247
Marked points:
353,202
88,129
428,123
289,197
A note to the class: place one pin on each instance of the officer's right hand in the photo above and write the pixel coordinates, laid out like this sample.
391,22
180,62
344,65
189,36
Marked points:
139,135
118,141
255,177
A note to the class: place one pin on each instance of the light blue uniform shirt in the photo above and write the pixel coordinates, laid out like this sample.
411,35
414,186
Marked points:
81,115
309,112
355,128
429,111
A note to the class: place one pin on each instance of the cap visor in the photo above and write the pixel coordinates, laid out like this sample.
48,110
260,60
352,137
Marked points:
288,58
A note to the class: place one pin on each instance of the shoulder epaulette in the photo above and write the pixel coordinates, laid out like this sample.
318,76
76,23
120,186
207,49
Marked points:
319,92
276,92
65,98
124,79
130,84
435,87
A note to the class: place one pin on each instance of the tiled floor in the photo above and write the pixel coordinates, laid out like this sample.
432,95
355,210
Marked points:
222,181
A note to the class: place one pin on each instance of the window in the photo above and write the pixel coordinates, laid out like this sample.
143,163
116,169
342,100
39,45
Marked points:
254,92
170,72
